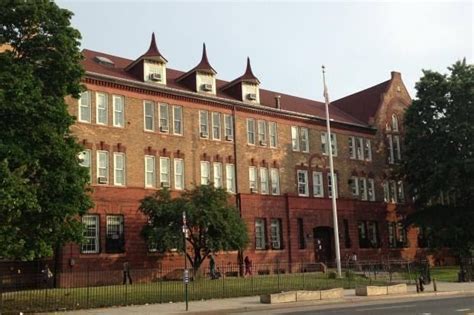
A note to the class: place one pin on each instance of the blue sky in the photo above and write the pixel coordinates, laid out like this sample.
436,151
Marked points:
288,41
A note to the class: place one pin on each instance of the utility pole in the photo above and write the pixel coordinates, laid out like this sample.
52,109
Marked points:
185,272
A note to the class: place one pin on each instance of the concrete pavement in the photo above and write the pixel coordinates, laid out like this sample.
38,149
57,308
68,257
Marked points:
246,304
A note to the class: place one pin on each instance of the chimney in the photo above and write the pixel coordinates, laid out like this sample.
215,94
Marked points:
277,102
395,74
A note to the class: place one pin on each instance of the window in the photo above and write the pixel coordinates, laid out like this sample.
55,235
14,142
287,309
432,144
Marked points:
318,190
85,107
397,235
102,167
216,126
101,107
295,138
177,120
355,186
275,233
301,238
368,150
394,123
229,127
324,146
391,157
262,132
368,234
85,161
114,241
352,152
360,148
263,181
165,172
272,126
90,244
386,192
178,174
164,114
371,189
363,188
260,234
396,148
119,169
250,131
205,172
302,183
118,104
230,177
217,175
347,236
149,115
400,192
330,184
275,178
204,124
150,177
392,185
304,139
253,179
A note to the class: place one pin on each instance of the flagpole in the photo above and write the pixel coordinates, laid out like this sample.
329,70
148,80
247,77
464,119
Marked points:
333,182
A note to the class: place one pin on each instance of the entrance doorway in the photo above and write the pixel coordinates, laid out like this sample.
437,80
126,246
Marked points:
323,244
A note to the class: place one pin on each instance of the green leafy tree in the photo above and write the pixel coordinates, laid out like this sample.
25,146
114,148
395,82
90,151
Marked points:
214,224
42,187
439,157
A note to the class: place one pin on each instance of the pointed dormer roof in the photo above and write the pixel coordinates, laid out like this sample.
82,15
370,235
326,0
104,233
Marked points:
202,66
248,76
153,52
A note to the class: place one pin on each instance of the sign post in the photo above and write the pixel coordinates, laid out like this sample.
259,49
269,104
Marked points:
186,271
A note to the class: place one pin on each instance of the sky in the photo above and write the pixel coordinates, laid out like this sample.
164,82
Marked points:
359,42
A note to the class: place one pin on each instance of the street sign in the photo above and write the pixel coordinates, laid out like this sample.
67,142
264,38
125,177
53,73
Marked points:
186,276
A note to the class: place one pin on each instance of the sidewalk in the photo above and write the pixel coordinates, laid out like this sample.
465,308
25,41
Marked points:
243,304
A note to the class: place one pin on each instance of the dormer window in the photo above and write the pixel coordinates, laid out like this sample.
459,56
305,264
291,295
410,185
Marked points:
245,87
252,97
206,87
154,72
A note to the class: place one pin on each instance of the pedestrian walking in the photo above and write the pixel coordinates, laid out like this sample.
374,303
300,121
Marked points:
248,266
126,273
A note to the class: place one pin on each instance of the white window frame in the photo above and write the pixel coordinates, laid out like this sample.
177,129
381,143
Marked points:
302,184
275,233
275,179
204,124
217,174
178,176
230,177
394,123
165,172
368,150
318,187
355,186
331,184
251,131
85,160
253,179
164,118
392,188
371,189
262,132
260,242
304,139
360,148
295,138
101,107
396,148
352,148
386,191
178,120
84,109
273,135
363,188
119,113
205,172
103,167
229,127
149,116
263,180
150,169
216,126
117,170
400,192
87,220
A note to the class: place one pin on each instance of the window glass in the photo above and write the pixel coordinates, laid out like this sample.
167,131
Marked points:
275,178
275,232
204,124
318,190
253,179
178,174
150,177
262,132
205,172
149,115
119,169
230,177
165,172
178,120
101,105
302,182
304,139
102,167
250,131
229,127
263,180
295,139
260,234
85,107
85,161
217,175
216,126
90,243
164,114
273,134
114,241
118,111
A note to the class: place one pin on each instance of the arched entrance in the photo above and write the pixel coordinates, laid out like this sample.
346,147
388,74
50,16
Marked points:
323,248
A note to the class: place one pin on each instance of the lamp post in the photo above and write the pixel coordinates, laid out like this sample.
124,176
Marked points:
185,272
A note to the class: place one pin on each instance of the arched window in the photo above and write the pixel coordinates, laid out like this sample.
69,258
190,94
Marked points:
394,122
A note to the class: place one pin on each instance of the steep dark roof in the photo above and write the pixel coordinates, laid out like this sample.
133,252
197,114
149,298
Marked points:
153,51
267,97
204,64
364,104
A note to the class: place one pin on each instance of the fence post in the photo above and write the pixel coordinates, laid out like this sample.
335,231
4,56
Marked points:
87,286
223,281
303,278
278,274
409,273
161,283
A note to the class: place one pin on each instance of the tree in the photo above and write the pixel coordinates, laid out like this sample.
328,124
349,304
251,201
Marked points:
439,157
42,187
214,225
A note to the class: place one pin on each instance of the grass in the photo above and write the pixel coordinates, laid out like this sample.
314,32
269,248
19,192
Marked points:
448,274
167,291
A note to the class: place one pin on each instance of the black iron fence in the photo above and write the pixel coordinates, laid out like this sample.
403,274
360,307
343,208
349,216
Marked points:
93,288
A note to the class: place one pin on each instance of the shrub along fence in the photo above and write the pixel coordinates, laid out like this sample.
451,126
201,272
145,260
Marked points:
94,289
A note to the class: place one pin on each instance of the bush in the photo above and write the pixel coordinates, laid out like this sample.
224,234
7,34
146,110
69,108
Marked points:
332,275
350,274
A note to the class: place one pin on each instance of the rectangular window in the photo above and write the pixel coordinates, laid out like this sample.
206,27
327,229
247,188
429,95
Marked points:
119,169
275,233
101,109
324,142
304,139
330,185
264,181
260,234
102,167
119,111
355,186
262,132
204,124
229,127
368,150
149,115
373,233
352,152
275,178
396,148
400,192
393,190
363,188
360,148
392,240
90,244
177,120
85,107
362,229
150,175
272,126
253,179
318,190
371,189
230,177
295,138
178,174
165,172
164,118
217,174
114,241
390,149
85,161
301,236
205,172
216,126
250,131
386,192
302,183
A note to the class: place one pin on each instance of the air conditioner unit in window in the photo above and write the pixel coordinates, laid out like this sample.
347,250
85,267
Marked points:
155,76
263,143
204,135
206,87
229,138
102,180
165,184
164,129
252,96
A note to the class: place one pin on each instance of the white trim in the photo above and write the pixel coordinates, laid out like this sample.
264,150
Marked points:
152,104
87,106
318,177
218,115
217,174
116,121
106,108
124,168
153,172
168,172
202,134
305,182
180,120
178,184
106,153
